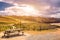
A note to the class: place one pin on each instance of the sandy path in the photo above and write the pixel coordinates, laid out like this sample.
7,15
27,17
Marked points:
15,38
48,36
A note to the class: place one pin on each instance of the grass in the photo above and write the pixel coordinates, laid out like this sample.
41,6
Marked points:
27,23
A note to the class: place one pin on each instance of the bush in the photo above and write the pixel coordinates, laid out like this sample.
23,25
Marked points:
28,26
34,26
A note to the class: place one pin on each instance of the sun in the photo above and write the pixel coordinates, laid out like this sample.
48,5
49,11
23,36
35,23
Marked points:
23,9
27,8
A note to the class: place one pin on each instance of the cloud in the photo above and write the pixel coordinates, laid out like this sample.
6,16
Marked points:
19,11
1,0
46,7
55,3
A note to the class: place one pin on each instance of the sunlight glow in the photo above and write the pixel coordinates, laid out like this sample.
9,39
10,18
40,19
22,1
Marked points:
28,8
22,9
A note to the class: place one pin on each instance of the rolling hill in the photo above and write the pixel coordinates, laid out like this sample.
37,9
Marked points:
26,19
26,22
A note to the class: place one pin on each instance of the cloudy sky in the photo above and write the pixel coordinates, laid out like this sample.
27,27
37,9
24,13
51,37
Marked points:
46,8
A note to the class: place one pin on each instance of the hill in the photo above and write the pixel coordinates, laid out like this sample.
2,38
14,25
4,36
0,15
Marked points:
26,22
4,19
27,19
34,19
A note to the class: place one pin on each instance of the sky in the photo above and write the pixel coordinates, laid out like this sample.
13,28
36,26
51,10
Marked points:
45,8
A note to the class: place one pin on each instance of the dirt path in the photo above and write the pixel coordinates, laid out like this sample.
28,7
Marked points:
15,37
47,36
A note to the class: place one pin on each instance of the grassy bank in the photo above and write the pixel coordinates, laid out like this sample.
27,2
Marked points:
28,26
